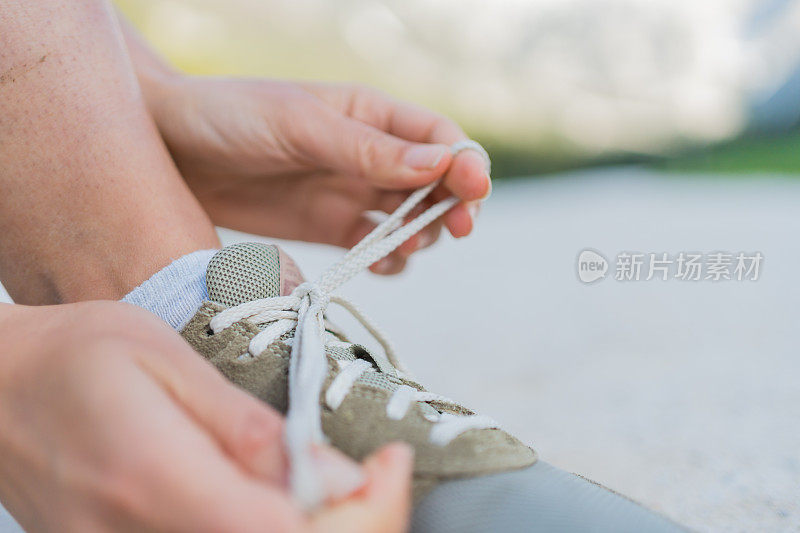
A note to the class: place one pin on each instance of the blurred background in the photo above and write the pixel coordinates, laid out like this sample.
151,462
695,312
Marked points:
545,84
619,125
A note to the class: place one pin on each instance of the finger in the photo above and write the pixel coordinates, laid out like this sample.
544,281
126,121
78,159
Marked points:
474,209
247,429
411,245
459,221
340,475
383,505
389,201
467,178
390,265
394,263
429,235
402,119
157,468
185,477
250,431
426,235
343,144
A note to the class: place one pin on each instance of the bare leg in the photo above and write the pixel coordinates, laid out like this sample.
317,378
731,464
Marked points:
91,203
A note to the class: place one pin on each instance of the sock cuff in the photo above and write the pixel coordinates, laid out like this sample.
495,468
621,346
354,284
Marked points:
176,291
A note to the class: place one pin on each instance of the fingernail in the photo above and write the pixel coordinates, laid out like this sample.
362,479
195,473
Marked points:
425,239
474,209
424,156
488,188
340,475
385,265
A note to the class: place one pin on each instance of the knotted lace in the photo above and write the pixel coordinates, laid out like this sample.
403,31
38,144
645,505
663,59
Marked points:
303,311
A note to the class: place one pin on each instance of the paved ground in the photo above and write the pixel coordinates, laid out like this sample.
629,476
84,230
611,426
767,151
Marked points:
684,396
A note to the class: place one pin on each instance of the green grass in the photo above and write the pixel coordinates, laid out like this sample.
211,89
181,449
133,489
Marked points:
765,154
746,155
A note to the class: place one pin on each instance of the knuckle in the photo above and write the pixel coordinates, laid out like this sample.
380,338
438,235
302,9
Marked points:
124,500
299,131
370,105
443,127
256,430
368,153
219,519
119,492
442,121
363,92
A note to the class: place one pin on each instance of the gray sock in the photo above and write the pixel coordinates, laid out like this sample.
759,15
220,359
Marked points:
176,291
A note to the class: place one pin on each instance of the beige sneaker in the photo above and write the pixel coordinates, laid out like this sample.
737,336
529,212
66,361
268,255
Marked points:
366,401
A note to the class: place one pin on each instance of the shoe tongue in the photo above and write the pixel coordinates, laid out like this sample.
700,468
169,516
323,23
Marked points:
251,271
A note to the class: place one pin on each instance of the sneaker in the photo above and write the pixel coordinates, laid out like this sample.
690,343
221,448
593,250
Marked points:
265,329
366,401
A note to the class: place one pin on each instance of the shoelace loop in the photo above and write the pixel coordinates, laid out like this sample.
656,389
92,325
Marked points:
303,310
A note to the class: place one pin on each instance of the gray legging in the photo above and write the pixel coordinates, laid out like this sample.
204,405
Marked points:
540,498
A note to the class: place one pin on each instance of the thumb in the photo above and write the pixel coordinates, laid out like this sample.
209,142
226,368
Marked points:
358,149
383,505
249,431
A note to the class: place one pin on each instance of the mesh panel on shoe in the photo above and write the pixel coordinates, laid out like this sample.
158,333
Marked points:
381,381
341,353
244,272
378,380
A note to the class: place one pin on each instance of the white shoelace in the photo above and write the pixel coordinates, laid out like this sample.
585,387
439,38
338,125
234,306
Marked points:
303,310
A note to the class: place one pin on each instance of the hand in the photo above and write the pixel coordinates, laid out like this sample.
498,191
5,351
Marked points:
306,161
110,422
